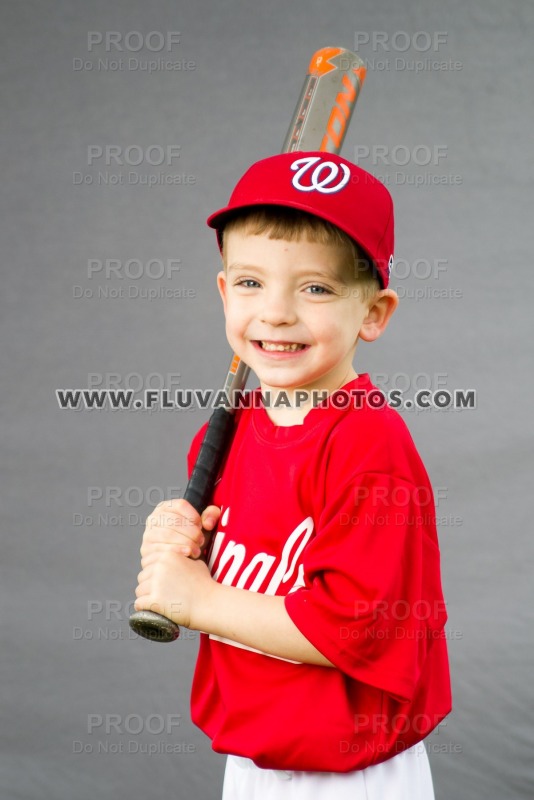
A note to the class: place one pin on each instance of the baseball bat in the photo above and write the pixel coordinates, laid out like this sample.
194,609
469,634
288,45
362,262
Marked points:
320,121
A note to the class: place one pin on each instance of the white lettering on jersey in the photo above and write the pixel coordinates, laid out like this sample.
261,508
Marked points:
284,572
231,556
235,555
266,562
252,575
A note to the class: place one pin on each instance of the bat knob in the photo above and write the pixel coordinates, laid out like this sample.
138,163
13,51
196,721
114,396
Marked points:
154,627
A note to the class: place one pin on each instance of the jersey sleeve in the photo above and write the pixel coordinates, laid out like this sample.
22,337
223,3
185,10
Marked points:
372,600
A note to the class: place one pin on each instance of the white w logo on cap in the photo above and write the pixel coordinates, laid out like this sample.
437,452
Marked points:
327,184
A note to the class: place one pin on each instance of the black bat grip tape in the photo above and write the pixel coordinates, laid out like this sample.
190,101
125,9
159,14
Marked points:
198,492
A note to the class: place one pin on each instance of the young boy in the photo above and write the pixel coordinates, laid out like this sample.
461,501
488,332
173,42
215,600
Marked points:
322,662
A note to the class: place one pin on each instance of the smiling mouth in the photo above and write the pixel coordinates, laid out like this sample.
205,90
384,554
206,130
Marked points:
280,347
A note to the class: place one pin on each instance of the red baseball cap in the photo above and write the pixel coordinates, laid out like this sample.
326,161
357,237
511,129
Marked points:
328,186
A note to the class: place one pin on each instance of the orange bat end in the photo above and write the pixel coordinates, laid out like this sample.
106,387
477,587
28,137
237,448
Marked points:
320,63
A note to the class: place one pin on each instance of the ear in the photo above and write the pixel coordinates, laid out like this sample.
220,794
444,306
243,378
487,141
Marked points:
380,311
221,285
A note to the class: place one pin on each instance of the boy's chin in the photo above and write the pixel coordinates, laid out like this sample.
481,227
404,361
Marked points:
288,387
280,384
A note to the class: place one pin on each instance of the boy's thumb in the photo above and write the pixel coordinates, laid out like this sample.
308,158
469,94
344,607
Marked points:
209,517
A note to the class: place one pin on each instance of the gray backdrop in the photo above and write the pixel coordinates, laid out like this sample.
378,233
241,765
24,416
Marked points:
89,711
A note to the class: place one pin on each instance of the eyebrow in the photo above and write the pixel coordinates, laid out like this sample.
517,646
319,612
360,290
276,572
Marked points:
237,267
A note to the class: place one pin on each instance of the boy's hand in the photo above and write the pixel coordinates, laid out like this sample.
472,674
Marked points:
173,585
169,582
183,590
174,526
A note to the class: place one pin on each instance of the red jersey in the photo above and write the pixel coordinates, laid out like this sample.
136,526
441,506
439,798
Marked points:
336,515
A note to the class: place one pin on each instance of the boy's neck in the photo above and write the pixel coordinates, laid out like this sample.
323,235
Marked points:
286,416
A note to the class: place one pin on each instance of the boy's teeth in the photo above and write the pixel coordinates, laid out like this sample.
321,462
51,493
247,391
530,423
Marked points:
281,347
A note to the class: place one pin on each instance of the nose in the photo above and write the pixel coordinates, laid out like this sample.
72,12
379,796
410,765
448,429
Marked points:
278,308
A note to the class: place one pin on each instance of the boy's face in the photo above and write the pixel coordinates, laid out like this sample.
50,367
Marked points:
293,311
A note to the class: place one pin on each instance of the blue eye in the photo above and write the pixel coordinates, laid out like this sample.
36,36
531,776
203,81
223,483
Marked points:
248,283
316,289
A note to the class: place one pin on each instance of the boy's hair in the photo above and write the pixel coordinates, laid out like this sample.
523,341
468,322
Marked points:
291,224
